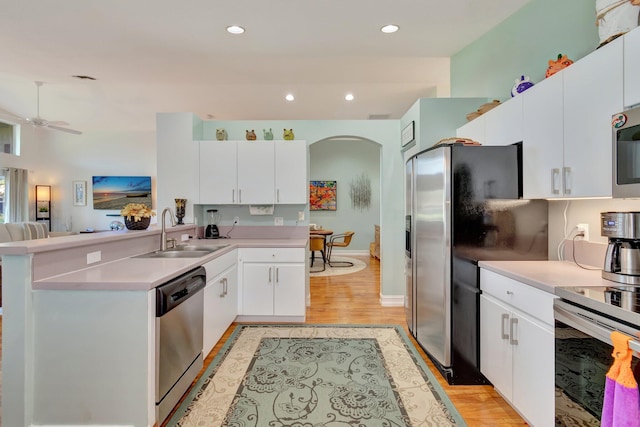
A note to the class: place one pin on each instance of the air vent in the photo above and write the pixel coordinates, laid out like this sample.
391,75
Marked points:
379,116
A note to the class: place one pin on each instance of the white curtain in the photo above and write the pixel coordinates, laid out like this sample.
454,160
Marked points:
16,195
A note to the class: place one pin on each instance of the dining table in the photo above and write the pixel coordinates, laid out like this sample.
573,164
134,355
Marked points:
324,233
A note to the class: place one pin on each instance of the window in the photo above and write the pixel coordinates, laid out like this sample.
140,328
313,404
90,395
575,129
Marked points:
9,138
2,188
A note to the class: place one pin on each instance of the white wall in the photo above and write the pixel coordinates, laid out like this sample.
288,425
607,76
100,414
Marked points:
57,159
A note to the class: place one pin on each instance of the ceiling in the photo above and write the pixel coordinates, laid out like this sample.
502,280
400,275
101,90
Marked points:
151,56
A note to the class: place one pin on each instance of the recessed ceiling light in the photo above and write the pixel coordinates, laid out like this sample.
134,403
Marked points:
235,29
289,97
349,97
391,28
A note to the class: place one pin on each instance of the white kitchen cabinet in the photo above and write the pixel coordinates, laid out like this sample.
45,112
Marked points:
632,68
473,129
592,91
273,282
256,172
517,346
218,172
543,139
291,181
503,124
253,172
220,298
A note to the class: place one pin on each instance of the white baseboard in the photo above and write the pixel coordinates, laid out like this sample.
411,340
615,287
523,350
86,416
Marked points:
392,300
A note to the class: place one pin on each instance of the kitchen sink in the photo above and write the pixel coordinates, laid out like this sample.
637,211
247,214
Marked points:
183,251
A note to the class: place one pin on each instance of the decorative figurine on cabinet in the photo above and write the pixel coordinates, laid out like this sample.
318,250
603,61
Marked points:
251,135
268,134
522,84
221,134
288,135
559,64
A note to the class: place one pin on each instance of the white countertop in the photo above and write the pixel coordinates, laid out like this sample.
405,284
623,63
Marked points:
547,275
144,274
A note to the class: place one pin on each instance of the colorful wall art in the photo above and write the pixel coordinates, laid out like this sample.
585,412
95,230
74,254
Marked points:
323,196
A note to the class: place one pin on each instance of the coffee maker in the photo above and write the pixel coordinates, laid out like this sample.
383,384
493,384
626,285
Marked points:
213,218
622,260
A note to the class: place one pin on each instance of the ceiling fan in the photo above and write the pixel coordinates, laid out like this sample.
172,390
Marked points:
40,122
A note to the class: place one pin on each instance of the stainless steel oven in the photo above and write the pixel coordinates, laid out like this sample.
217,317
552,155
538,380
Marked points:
626,153
585,318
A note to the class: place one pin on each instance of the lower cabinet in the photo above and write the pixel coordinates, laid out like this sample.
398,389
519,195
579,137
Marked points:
273,282
517,345
220,298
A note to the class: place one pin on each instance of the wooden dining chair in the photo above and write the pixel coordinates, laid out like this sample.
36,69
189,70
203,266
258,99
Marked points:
341,241
316,243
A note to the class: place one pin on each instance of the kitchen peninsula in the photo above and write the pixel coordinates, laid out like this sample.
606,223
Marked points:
79,325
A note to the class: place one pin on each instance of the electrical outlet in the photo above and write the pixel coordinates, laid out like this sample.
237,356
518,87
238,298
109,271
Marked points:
301,216
584,229
93,257
278,220
236,220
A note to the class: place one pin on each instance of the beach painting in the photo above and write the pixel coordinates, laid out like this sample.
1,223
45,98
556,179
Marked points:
114,192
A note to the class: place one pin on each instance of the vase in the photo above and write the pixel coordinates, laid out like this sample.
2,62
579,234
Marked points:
180,205
132,224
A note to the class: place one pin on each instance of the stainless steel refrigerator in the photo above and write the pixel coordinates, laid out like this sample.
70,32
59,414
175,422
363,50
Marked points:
463,205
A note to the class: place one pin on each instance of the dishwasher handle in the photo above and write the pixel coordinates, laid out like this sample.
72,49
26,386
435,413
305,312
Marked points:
173,293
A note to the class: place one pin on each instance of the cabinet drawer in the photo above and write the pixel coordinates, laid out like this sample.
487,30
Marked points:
527,299
272,255
220,264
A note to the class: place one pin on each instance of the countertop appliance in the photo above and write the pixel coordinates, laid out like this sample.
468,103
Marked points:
213,219
626,153
622,259
179,336
585,318
463,206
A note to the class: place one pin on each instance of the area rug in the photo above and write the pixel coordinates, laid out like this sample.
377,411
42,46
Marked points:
317,376
317,270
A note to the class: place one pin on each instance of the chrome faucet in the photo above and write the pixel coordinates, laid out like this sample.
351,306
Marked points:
163,236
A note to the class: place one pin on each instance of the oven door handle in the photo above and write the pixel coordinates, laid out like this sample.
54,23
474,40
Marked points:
597,330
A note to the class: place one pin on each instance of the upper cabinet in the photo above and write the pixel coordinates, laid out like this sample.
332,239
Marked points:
632,68
253,172
503,124
592,95
564,122
473,129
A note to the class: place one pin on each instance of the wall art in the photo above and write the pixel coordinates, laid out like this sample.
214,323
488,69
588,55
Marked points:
323,195
114,192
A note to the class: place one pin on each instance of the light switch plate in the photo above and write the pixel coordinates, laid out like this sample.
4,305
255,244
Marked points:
278,220
301,216
93,257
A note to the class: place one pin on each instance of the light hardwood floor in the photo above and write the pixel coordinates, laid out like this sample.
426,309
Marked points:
354,299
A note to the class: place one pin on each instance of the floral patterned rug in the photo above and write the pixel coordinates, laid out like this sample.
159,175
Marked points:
317,376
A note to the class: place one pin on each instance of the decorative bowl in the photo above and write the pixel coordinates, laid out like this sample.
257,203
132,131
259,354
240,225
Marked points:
131,224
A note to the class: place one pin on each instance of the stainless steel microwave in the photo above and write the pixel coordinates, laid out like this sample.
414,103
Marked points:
626,154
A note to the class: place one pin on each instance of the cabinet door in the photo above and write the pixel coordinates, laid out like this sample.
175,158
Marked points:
503,124
289,291
632,68
218,172
257,289
291,172
230,309
256,172
543,139
592,94
213,303
495,347
473,129
534,372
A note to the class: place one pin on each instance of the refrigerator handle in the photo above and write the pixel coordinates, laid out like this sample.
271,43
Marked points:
555,181
505,317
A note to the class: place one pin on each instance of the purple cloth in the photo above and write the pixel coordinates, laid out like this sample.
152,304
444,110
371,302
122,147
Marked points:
621,405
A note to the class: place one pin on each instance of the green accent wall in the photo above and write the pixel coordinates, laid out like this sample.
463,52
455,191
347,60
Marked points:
522,45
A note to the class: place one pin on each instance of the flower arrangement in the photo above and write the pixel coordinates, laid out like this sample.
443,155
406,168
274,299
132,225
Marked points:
136,211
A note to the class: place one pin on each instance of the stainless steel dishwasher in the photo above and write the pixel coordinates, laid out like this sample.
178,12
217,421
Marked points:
179,319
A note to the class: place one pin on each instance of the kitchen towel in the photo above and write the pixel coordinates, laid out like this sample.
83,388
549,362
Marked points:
621,406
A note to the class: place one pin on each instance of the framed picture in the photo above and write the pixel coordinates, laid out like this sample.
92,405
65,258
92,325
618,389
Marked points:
323,196
408,134
79,193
